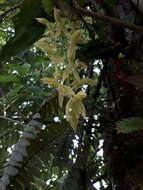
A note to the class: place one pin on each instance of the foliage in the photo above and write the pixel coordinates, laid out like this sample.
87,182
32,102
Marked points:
25,26
23,94
130,125
57,95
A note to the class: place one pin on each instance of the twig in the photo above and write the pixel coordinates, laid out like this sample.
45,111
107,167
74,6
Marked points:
103,71
97,150
99,178
115,21
12,120
7,31
86,25
16,109
2,16
101,77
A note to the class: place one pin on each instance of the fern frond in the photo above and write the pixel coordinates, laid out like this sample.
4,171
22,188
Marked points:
130,125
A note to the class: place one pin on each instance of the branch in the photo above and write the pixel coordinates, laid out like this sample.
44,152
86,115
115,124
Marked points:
99,178
115,21
86,25
12,120
7,31
2,16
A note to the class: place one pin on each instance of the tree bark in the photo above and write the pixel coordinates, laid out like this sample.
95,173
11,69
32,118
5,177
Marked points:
123,152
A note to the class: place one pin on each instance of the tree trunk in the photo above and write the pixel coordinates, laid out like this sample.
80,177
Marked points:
124,152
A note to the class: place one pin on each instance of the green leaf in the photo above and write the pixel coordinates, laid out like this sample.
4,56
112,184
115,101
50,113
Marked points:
27,29
35,90
130,125
23,70
48,6
8,78
3,154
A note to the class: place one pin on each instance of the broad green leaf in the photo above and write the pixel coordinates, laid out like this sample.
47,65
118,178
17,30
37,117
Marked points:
36,90
27,29
13,92
8,78
24,69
